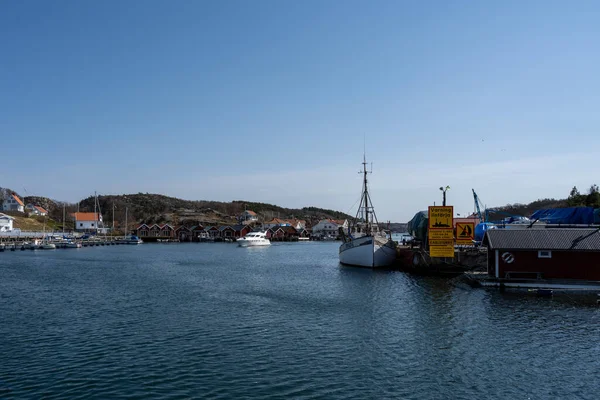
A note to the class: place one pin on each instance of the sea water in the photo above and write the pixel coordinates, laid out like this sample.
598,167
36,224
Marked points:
213,320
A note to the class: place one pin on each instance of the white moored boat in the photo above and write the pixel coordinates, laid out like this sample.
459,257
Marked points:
364,244
254,239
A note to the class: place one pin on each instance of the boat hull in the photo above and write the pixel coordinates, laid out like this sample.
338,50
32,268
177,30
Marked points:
252,243
368,252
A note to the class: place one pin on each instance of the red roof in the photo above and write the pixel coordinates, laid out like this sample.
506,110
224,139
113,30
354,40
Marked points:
40,209
18,200
250,212
86,216
277,221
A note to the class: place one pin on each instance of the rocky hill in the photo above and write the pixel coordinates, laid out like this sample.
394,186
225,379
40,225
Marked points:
157,208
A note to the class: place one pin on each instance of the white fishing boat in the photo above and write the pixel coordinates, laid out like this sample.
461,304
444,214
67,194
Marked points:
365,245
254,239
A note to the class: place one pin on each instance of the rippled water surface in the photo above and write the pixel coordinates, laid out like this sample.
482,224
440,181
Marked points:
219,321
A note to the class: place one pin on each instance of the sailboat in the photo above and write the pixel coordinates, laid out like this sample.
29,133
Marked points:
46,245
364,245
132,239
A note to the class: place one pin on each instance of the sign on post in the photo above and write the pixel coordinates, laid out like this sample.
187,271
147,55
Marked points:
441,231
465,233
441,217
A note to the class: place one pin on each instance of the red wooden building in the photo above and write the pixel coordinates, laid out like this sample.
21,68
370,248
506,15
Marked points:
241,230
183,233
551,253
165,231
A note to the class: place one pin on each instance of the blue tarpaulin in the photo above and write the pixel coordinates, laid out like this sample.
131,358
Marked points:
570,215
481,228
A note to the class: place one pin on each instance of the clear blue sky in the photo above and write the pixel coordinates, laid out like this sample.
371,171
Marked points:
270,100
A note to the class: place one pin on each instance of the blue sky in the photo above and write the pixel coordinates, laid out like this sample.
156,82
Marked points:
270,101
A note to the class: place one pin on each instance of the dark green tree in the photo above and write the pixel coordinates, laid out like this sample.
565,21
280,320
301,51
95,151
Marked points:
575,198
593,197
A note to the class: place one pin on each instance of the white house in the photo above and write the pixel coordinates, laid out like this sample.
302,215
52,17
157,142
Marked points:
13,203
6,223
249,217
87,221
329,227
35,210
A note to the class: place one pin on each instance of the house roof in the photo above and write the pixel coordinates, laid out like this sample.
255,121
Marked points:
40,209
152,226
222,228
86,216
198,228
238,228
17,199
250,212
543,239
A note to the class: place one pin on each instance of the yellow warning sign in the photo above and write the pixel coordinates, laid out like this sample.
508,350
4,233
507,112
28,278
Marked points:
441,234
441,251
465,233
441,217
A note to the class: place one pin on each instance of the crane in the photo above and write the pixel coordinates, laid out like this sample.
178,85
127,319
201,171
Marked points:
478,207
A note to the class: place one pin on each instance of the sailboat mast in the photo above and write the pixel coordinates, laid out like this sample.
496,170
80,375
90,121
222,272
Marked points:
95,215
125,233
63,224
366,196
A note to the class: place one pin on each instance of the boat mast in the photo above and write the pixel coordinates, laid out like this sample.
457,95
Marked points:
125,233
366,196
63,224
95,215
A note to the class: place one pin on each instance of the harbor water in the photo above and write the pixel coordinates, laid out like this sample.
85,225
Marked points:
212,320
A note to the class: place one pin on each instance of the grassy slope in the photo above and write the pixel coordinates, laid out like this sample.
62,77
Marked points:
34,224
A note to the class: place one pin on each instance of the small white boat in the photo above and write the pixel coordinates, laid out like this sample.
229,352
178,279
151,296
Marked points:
47,246
254,239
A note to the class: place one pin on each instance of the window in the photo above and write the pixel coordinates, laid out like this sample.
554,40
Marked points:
80,224
92,225
544,254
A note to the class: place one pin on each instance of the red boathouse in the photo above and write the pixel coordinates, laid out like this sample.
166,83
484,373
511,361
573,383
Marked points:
551,253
